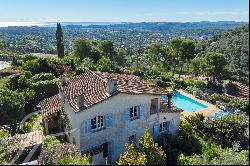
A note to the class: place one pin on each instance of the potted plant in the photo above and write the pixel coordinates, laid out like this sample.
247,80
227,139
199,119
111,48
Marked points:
169,95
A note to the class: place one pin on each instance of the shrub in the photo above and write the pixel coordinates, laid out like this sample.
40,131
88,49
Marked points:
76,160
196,83
29,95
155,155
223,157
173,146
52,155
185,160
86,65
12,106
43,77
132,157
239,104
37,66
48,87
19,81
223,131
185,129
148,153
226,130
215,87
3,133
28,57
33,124
3,161
50,141
106,65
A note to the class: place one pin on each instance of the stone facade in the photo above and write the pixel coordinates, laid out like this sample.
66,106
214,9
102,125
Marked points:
117,135
106,111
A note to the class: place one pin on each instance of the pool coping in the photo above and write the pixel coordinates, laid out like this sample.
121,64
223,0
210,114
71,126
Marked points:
206,112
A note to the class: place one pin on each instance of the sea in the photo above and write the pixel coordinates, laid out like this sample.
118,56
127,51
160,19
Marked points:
53,24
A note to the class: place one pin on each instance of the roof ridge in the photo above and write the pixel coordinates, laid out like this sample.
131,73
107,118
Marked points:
104,80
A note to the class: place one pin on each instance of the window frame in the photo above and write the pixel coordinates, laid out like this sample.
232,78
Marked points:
164,127
135,114
98,122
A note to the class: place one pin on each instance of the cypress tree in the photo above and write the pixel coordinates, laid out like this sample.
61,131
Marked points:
59,41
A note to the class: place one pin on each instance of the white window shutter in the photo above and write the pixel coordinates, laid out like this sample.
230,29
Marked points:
156,130
142,111
108,120
127,115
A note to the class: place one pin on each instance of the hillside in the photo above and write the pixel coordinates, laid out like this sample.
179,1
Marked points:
129,36
235,45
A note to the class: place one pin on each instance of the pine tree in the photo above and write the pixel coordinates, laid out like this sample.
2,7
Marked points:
59,40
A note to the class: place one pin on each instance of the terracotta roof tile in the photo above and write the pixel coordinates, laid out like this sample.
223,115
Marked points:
50,105
93,87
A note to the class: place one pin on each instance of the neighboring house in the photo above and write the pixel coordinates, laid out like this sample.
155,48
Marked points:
109,110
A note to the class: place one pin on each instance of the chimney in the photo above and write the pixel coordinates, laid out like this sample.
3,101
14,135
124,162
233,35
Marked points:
154,81
63,80
112,87
80,102
38,108
62,96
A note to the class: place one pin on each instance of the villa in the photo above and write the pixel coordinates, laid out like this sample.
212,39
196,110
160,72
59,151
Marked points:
107,111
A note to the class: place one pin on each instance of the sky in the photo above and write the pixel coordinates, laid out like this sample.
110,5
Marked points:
123,10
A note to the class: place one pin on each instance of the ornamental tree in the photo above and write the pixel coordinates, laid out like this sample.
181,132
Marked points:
132,157
148,153
154,154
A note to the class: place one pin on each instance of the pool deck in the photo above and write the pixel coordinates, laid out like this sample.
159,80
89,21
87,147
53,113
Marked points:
206,112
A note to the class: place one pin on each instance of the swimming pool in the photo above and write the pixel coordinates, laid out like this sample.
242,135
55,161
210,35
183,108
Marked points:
185,103
220,113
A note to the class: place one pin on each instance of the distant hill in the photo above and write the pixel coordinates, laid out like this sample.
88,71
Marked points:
173,26
235,45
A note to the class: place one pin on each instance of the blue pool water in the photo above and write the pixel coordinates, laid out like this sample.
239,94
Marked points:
185,103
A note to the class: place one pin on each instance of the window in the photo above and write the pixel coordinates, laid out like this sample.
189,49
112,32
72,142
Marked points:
134,112
132,139
164,127
97,122
154,106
